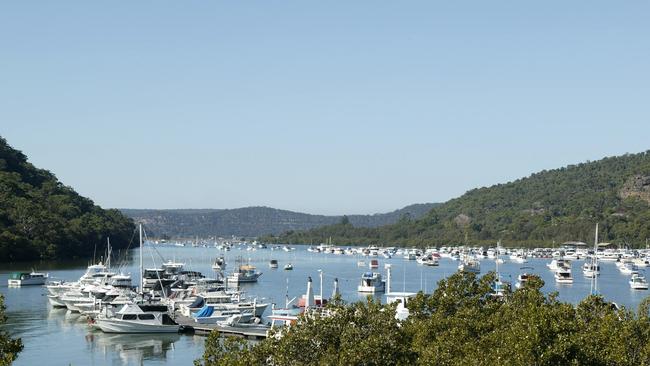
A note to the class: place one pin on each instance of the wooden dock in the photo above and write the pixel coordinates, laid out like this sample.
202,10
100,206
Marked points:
250,332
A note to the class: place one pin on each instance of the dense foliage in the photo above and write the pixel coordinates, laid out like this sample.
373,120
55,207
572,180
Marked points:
42,218
253,221
459,324
9,348
548,207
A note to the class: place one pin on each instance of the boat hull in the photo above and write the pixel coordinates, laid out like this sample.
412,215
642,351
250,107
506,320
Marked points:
121,326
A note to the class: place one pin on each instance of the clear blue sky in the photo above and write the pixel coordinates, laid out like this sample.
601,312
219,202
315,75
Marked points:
318,106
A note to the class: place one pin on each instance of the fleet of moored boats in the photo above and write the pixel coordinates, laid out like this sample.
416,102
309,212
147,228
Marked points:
113,304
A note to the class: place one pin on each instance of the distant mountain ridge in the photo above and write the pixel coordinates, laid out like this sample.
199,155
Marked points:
255,221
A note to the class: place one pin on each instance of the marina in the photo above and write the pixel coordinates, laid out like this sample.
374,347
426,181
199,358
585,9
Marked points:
44,328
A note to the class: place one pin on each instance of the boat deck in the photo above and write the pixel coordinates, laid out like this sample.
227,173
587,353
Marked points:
256,332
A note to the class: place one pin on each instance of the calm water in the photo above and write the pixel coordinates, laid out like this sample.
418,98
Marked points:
57,337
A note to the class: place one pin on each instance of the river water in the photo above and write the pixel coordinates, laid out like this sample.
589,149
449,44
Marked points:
56,337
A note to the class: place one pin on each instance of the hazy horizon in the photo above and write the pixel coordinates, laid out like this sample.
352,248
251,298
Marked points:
332,109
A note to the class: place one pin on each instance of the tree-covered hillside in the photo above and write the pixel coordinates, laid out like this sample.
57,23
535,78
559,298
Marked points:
548,207
254,221
40,218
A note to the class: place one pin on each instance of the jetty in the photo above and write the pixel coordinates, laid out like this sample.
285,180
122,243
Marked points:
256,331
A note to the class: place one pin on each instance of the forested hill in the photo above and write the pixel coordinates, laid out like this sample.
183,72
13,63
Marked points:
254,221
40,218
545,208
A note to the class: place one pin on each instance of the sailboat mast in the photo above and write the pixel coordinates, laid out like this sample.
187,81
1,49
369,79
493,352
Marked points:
594,265
141,263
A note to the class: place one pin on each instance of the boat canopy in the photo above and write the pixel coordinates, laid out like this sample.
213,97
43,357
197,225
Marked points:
205,311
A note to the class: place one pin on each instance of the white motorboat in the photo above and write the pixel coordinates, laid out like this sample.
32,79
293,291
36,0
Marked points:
132,318
638,282
371,282
563,275
470,265
288,267
27,279
628,268
211,315
273,263
522,279
590,269
374,264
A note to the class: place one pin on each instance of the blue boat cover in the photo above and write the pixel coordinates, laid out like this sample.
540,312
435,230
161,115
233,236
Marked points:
205,311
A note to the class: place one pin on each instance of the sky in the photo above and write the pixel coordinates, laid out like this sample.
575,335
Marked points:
337,107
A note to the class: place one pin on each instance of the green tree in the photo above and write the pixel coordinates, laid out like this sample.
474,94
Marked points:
9,348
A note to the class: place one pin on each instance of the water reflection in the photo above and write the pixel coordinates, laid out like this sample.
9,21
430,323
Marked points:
132,348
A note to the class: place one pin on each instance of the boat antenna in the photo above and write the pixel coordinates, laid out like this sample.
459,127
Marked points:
141,262
95,251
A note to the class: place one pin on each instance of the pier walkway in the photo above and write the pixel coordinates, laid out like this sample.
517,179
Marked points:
257,331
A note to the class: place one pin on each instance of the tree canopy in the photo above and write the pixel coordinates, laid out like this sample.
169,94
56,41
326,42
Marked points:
40,218
459,324
9,348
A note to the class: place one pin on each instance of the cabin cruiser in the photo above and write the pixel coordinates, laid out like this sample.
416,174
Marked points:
638,282
245,273
563,275
470,265
27,279
628,268
273,263
133,318
371,282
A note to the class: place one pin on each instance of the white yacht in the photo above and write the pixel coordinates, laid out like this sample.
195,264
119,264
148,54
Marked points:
638,282
371,282
132,318
27,279
273,263
211,315
470,265
563,275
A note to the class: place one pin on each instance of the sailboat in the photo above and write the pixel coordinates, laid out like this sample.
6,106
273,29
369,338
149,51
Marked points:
138,318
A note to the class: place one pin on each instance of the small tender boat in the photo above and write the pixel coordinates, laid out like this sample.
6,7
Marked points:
27,279
371,282
373,264
288,267
273,263
638,282
132,318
